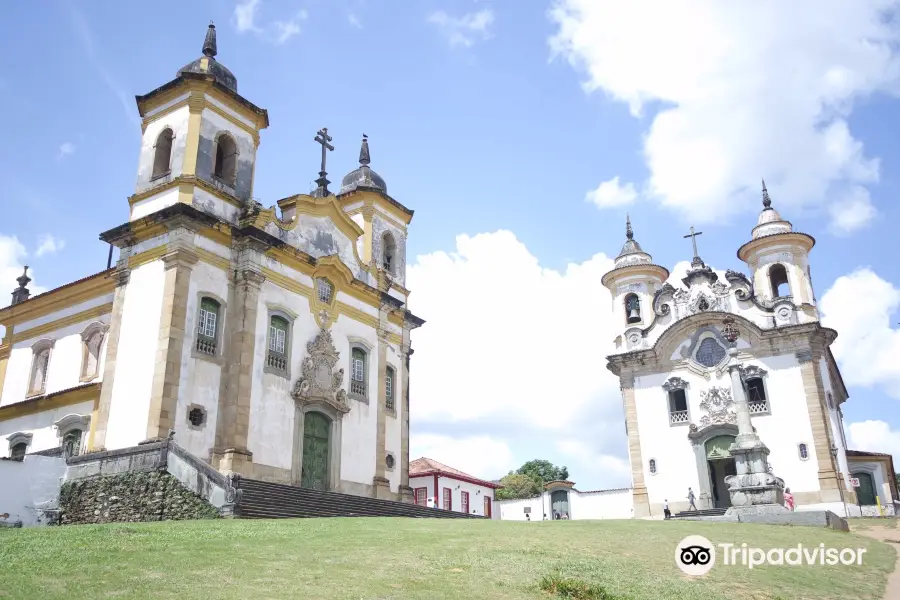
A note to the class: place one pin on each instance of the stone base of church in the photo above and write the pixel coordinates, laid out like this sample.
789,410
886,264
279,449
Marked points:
808,518
233,460
381,488
407,495
641,503
757,509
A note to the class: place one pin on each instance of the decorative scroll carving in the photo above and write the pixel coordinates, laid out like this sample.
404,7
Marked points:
704,303
675,383
753,372
719,407
743,288
319,381
666,291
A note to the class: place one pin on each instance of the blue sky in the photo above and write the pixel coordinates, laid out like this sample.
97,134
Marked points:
501,116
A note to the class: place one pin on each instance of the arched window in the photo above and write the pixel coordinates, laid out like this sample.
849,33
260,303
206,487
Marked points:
278,343
71,442
358,369
803,450
632,309
17,452
92,340
226,159
778,278
389,388
163,153
40,364
208,326
388,252
653,466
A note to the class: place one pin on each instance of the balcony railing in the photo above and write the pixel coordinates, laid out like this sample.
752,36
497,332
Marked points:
758,407
357,387
277,361
389,403
206,346
678,416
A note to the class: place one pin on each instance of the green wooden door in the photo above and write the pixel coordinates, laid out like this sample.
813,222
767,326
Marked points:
866,489
316,428
559,503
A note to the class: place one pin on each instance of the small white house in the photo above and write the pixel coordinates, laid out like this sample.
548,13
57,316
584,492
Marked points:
436,485
560,500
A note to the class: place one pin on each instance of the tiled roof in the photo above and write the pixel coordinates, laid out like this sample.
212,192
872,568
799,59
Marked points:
860,453
427,466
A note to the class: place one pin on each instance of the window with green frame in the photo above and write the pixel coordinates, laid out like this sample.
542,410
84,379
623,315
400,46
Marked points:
278,343
208,326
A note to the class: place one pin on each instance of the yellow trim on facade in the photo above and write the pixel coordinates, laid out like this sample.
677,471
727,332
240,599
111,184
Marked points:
370,200
199,89
85,315
59,299
51,401
213,259
183,183
221,234
142,258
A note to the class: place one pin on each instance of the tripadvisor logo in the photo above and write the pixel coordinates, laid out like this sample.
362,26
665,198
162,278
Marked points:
695,555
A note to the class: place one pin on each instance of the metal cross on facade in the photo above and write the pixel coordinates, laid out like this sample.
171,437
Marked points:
323,138
693,235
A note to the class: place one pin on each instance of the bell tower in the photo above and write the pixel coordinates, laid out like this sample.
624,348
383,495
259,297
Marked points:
632,283
778,258
199,140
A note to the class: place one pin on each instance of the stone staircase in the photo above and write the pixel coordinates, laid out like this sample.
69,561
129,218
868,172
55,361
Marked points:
708,512
265,500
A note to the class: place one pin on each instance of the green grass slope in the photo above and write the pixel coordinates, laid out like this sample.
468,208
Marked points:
345,559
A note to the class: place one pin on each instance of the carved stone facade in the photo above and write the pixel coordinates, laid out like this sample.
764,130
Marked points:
319,381
719,407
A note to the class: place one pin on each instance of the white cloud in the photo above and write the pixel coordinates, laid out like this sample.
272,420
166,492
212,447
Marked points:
610,194
740,90
355,22
481,456
245,16
12,264
853,212
860,306
65,149
245,20
874,436
584,462
47,244
464,30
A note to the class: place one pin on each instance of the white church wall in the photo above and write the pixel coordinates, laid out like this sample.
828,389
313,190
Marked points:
66,356
201,377
40,426
602,504
514,510
834,420
204,243
212,126
136,357
29,486
154,203
214,205
392,423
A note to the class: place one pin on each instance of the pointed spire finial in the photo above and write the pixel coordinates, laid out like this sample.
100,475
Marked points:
629,232
767,202
364,158
21,293
209,44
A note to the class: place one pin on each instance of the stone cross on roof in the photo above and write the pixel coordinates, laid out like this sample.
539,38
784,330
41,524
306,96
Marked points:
323,138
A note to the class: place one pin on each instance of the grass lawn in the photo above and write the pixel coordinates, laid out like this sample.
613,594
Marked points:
368,558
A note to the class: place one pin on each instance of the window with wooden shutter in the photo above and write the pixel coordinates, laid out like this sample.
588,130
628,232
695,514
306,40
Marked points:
422,496
464,502
448,499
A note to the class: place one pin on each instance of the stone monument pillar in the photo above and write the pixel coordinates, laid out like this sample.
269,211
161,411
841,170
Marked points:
754,490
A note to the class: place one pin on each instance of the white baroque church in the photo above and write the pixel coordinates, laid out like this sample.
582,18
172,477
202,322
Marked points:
271,342
672,362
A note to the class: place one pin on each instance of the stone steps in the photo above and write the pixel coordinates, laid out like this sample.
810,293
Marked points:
707,512
265,500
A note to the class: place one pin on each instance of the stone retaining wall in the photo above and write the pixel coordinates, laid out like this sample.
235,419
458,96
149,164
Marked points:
130,497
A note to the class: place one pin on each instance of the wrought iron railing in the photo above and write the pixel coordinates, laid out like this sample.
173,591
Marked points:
758,406
678,416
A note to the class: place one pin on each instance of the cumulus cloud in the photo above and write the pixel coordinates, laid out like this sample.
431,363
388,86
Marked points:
875,436
854,212
464,30
47,244
480,456
740,90
509,341
65,149
610,194
12,263
861,307
279,31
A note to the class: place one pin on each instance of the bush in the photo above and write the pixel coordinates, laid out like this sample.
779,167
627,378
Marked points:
567,587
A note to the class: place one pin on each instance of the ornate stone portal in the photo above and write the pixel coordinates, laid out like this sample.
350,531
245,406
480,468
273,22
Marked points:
319,382
719,407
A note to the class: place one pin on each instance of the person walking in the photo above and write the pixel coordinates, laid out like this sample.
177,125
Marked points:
690,498
666,513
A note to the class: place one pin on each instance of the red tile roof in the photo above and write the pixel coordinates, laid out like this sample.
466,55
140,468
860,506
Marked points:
427,466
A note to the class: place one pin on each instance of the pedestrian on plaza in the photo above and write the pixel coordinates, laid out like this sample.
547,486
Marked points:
690,498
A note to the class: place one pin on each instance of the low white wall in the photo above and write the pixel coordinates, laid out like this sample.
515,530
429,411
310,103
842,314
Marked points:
28,486
514,510
603,504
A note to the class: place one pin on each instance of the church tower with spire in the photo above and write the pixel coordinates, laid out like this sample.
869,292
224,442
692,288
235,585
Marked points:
633,283
199,140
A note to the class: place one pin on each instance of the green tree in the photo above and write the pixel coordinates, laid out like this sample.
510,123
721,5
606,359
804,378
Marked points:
543,471
517,487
